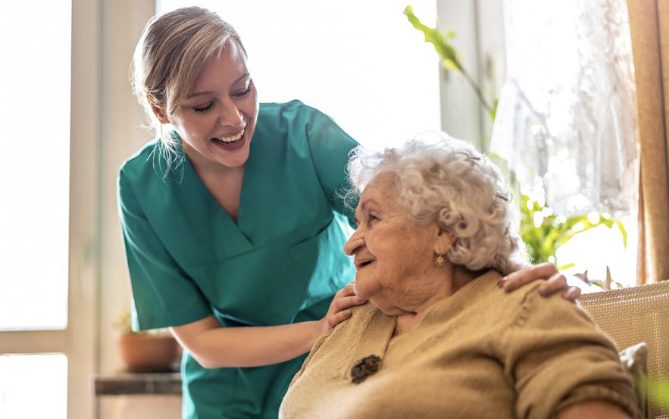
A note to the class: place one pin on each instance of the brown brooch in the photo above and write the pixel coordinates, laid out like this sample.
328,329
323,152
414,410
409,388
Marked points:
364,367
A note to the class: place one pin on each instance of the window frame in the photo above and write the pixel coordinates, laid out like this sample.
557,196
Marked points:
78,340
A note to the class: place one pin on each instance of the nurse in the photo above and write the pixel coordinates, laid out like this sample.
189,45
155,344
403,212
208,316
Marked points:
234,221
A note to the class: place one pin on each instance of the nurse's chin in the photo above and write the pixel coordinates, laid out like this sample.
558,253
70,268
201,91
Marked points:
231,159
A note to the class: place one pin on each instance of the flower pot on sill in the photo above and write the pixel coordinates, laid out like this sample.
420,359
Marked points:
145,352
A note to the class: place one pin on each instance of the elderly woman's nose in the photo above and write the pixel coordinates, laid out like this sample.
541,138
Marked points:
354,242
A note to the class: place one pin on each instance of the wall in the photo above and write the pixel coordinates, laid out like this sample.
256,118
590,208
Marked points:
479,29
141,407
122,133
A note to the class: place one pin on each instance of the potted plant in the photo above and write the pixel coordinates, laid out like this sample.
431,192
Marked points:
147,352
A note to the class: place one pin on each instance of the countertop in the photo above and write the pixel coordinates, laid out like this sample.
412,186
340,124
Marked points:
117,384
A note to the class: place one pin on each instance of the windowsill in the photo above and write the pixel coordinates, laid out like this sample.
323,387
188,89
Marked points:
123,384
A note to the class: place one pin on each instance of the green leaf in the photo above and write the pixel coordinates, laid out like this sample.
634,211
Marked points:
658,391
543,241
493,110
623,232
449,35
566,266
432,35
597,282
448,64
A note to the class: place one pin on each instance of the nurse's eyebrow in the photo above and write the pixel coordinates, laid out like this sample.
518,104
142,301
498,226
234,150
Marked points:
242,77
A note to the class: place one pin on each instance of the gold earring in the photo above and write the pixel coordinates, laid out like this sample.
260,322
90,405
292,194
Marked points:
439,260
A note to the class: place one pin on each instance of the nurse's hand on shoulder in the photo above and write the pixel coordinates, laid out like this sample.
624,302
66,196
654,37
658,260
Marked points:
555,281
340,308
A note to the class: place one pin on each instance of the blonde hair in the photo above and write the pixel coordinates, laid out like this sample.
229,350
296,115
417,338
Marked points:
169,56
447,179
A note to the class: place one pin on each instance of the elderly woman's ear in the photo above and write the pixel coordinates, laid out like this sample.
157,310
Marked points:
443,242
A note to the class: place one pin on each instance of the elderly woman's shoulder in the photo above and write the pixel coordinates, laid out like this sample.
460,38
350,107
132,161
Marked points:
491,298
488,283
361,317
363,312
521,293
526,303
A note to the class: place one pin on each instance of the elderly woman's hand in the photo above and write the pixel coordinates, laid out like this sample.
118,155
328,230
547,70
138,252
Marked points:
555,281
340,308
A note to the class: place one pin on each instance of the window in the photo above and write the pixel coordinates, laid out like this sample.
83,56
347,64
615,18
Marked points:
566,122
47,230
358,61
34,166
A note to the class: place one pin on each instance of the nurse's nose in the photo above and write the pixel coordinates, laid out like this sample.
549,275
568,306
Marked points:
356,241
230,115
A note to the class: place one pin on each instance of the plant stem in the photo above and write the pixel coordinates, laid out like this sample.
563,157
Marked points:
477,90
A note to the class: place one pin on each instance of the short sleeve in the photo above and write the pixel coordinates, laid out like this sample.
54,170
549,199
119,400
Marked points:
163,295
556,357
330,148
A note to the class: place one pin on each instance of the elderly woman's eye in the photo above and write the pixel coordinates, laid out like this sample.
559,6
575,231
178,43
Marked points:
371,218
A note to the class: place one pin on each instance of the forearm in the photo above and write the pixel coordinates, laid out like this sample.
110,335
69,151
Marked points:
593,409
217,347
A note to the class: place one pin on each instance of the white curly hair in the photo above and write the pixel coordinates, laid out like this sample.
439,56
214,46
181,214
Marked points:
443,177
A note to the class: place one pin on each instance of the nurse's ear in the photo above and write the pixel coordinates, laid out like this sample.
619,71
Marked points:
160,114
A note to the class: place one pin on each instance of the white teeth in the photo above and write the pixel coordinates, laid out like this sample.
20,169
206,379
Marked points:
231,139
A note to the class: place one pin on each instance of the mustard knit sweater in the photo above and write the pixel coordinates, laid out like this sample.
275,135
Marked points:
480,353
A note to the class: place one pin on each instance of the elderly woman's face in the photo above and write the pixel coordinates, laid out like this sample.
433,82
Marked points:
392,253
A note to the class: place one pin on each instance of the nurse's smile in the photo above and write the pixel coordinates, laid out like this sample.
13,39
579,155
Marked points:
232,142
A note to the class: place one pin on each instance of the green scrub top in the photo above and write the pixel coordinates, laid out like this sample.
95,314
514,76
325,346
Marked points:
280,263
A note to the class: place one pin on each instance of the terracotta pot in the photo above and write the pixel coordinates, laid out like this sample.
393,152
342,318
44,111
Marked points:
145,352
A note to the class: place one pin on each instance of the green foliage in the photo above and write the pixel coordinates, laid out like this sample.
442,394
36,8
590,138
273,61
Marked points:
544,232
449,56
440,42
540,228
658,392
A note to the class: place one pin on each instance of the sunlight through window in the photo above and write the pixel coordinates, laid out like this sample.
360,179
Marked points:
34,164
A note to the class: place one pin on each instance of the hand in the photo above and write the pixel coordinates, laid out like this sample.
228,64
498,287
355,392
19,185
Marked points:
555,281
340,308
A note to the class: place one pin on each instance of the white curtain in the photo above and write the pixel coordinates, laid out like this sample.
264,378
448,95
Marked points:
566,119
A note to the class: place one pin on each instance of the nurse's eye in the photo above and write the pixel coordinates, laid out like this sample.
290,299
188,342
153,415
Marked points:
203,108
246,91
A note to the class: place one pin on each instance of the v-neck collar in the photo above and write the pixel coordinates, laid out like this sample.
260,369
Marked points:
220,218
375,340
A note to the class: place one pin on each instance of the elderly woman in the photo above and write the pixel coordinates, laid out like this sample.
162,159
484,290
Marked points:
439,338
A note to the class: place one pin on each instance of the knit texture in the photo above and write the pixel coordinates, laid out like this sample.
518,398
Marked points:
480,353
